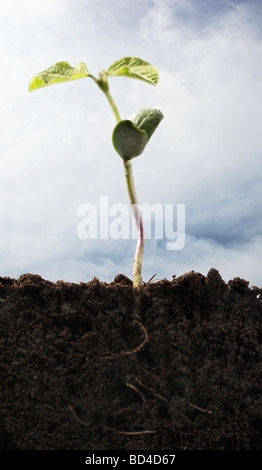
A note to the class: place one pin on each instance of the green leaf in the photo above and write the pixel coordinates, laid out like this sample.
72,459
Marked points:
134,68
131,135
57,73
147,119
128,140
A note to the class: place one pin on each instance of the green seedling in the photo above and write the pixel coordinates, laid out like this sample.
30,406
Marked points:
130,136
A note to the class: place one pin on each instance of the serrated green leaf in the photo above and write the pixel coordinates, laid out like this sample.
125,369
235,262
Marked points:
57,73
147,119
128,140
134,68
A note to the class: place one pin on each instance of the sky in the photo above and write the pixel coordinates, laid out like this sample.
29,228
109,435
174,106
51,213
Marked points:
56,143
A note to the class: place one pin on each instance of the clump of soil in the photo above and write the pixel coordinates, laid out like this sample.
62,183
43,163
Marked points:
90,366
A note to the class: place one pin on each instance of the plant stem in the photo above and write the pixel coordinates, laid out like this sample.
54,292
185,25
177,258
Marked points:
137,263
113,105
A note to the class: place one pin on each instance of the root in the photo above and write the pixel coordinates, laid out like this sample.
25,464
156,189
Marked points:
152,390
137,391
76,417
133,351
129,433
124,433
203,410
122,410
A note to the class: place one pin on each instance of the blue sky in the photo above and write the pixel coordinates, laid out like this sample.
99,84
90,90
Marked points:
55,143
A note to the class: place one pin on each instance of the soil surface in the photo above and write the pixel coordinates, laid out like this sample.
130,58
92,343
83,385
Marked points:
91,366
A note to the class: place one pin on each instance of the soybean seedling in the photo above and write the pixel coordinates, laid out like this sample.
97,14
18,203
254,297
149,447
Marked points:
130,136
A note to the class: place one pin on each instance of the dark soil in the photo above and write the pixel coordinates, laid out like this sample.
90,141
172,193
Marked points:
90,366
